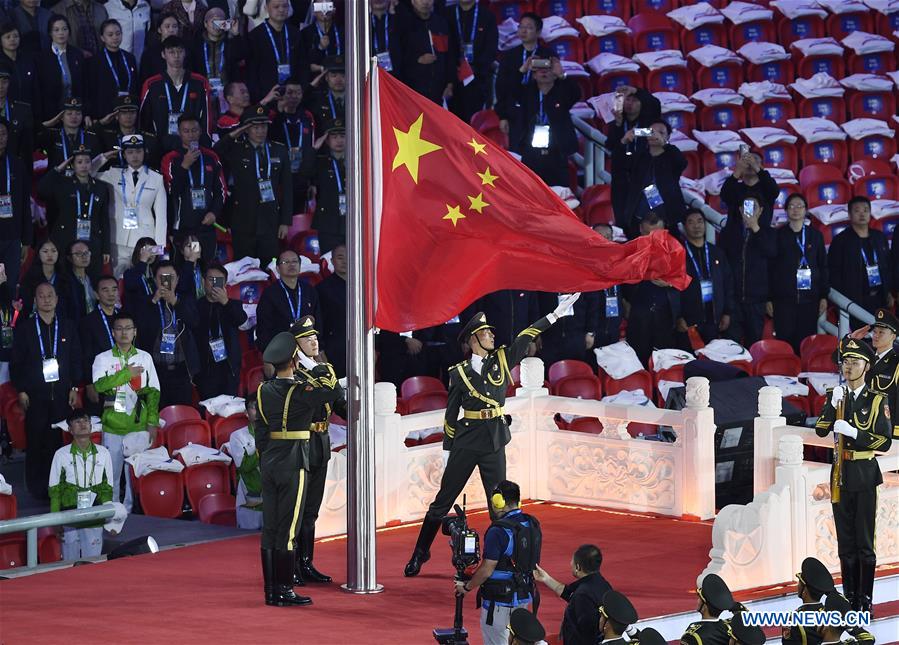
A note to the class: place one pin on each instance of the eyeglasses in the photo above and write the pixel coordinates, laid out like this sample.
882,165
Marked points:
80,254
131,328
289,262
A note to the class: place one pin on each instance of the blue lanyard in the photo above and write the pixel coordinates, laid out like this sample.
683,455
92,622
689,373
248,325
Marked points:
542,113
106,324
708,266
197,279
294,311
173,324
474,23
168,96
331,103
865,257
287,135
40,337
374,33
321,34
115,74
190,176
524,57
146,284
801,244
66,79
9,177
6,112
90,208
140,191
268,160
206,58
612,292
271,37
337,175
65,141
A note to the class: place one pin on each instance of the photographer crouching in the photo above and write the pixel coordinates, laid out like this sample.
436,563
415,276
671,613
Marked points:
511,553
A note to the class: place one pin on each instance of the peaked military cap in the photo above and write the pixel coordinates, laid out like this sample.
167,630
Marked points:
72,103
124,103
476,324
617,607
280,349
335,125
837,602
304,327
856,349
132,141
82,150
745,634
816,576
254,114
649,636
715,593
525,626
5,72
335,64
885,318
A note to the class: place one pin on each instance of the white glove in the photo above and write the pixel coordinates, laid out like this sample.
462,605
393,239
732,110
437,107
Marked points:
307,362
342,382
845,428
836,395
566,306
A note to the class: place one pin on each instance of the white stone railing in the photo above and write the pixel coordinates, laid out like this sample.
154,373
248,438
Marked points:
610,469
763,543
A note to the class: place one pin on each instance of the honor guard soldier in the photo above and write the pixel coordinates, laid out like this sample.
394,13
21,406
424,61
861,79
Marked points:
648,636
286,408
883,377
616,614
842,635
524,628
714,598
864,427
319,446
743,634
477,389
814,581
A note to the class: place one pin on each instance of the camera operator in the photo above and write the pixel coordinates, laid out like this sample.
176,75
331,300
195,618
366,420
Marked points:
511,551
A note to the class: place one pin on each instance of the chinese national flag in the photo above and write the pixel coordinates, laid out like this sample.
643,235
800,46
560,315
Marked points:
456,217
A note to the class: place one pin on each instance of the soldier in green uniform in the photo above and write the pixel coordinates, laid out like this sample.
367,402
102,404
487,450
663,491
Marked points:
477,388
814,581
648,636
842,635
285,407
319,445
866,427
714,598
616,614
743,634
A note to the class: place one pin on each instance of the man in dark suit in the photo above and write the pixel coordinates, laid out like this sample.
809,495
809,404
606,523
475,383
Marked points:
217,338
426,64
474,37
514,66
332,296
275,52
285,302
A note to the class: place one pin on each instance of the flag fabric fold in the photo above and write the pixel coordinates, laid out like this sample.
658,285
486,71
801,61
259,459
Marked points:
456,217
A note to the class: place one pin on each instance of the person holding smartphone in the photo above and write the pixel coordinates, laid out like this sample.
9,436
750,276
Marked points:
217,335
217,53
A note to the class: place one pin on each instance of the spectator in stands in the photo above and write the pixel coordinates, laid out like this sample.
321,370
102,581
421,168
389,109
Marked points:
608,305
473,37
383,34
584,595
285,302
749,243
515,67
261,202
426,64
111,73
19,119
139,279
332,296
293,126
122,123
7,313
19,61
45,367
95,334
653,306
707,304
798,302
46,267
187,255
60,143
242,448
190,16
330,182
858,261
32,22
218,52
140,206
173,93
126,380
134,18
402,356
541,130
275,51
218,341
151,62
16,230
61,70
574,336
87,16
77,482
196,183
321,39
237,96
654,181
510,311
329,102
165,322
82,299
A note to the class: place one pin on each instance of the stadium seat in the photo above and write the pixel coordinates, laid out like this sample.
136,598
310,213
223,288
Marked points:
597,193
566,368
641,380
842,24
7,393
15,424
781,155
875,147
226,426
670,79
590,425
729,74
681,120
570,10
613,80
8,507
49,547
161,493
882,186
598,213
722,117
662,6
824,184
254,379
498,137
426,402
620,8
653,31
774,357
784,191
831,64
173,413
578,387
773,113
876,63
759,31
715,161
693,164
568,48
503,9
13,552
418,384
181,433
615,43
872,105
800,402
218,508
826,107
778,71
815,346
828,153
791,30
205,479
708,34
887,24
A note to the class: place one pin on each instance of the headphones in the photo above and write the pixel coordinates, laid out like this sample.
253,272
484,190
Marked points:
497,500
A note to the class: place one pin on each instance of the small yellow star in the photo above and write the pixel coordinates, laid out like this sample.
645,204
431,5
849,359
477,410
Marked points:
487,178
411,147
477,203
477,147
453,214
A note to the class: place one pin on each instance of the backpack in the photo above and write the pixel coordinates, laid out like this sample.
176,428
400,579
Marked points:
527,542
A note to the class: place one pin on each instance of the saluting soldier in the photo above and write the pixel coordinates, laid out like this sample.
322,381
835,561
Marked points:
883,377
814,581
286,407
714,598
60,143
122,123
319,446
330,182
477,389
616,614
866,427
329,103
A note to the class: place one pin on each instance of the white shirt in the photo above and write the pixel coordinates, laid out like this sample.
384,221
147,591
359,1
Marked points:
135,24
82,470
477,362
106,364
152,216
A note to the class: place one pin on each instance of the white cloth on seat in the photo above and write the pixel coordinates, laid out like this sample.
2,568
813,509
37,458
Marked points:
603,25
821,381
815,128
193,454
860,128
761,91
725,351
607,62
830,213
788,385
818,46
629,397
711,55
820,84
555,27
665,386
782,176
719,140
662,359
674,102
696,15
508,34
868,83
798,8
758,53
693,187
717,96
5,488
250,311
682,142
224,405
661,59
885,7
715,181
843,6
574,68
245,270
602,105
618,359
741,12
765,136
155,459
864,43
565,194
881,208
96,425
135,442
115,523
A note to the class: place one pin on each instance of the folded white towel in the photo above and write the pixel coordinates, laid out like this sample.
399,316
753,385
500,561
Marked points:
603,25
250,311
818,46
868,83
682,142
555,27
508,34
629,397
821,381
711,55
741,12
725,351
674,102
843,6
798,8
814,129
894,75
864,43
602,105
607,62
860,128
193,454
882,208
155,459
5,489
719,140
693,187
662,359
758,53
660,59
718,96
665,386
574,68
788,385
885,7
821,84
224,405
782,176
696,15
761,91
618,359
830,213
764,136
715,181
135,442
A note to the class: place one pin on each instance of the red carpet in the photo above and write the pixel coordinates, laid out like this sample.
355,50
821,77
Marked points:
212,593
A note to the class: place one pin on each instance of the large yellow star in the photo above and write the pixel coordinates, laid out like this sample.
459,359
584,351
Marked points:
487,178
477,147
477,203
411,147
453,214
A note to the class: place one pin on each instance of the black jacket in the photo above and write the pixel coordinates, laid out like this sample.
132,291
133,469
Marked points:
320,442
296,132
206,57
26,368
664,171
273,313
565,339
215,318
105,85
556,107
332,295
262,63
509,311
94,337
205,172
787,260
23,82
509,79
21,131
883,377
692,309
154,107
330,179
486,36
310,38
58,146
415,38
49,92
846,266
733,192
18,227
584,597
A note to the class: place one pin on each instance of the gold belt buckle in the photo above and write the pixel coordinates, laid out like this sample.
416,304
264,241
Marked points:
848,455
486,413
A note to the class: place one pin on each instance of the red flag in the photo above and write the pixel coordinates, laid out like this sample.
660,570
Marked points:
456,217
465,73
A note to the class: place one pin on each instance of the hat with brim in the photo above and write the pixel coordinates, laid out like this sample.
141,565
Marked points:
837,602
280,349
336,126
304,327
254,114
615,606
525,626
72,103
133,142
335,64
743,633
476,324
815,575
715,593
885,318
125,103
650,636
82,150
852,348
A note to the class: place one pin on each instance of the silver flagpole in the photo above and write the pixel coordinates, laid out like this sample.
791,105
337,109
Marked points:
361,564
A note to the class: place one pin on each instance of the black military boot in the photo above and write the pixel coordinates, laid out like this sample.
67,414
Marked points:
298,580
268,568
849,570
422,552
306,550
866,587
284,595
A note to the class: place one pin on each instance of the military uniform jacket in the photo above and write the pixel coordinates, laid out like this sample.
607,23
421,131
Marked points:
870,415
706,632
800,635
328,217
65,194
471,391
883,378
21,128
59,146
320,443
327,106
305,400
17,227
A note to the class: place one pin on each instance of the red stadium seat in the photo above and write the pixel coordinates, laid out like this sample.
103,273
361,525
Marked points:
8,507
161,493
670,79
597,193
578,387
590,425
641,380
722,117
814,348
773,113
753,31
778,71
663,6
875,147
615,43
681,120
865,167
620,8
598,213
708,34
205,479
876,63
784,191
729,74
824,184
426,402
831,64
218,508
181,433
503,9
15,423
715,161
613,80
7,393
872,105
418,384
883,186
225,427
791,30
254,379
13,552
568,48
781,155
827,153
774,357
173,413
888,24
49,548
826,107
800,402
693,164
842,24
563,369
570,10
653,31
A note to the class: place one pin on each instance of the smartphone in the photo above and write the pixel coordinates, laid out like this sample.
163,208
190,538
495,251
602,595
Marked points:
619,103
218,282
194,145
541,63
165,279
748,207
195,246
157,250
744,150
642,132
280,90
323,7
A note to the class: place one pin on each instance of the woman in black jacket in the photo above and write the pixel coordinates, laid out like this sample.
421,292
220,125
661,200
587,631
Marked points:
61,71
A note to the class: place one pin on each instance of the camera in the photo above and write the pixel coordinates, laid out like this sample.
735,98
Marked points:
157,250
218,282
642,132
323,7
466,550
165,279
541,63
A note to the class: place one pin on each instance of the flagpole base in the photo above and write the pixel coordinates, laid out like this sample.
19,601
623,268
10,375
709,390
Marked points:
377,589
